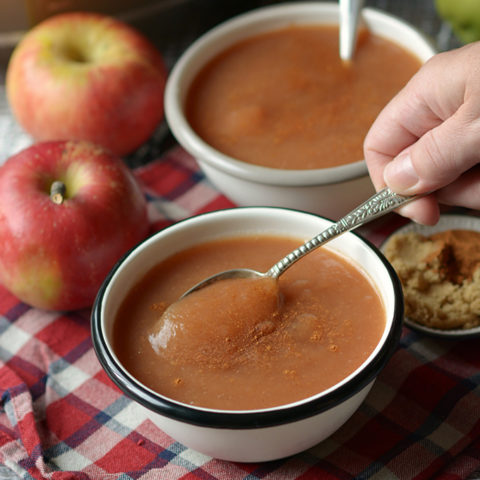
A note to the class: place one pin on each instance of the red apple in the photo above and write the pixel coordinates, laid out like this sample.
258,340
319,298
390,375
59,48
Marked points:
87,76
68,211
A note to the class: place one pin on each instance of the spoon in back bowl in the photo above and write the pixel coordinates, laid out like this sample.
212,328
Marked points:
377,205
349,18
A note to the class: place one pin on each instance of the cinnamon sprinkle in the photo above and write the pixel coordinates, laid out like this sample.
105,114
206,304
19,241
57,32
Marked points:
459,254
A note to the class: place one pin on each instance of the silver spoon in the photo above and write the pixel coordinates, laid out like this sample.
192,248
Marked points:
377,205
349,18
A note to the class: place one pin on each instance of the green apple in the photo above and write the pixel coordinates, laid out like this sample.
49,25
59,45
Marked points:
463,16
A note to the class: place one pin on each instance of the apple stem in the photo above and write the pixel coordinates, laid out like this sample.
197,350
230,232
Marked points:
57,192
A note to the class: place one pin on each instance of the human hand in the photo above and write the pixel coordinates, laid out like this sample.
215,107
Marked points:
427,139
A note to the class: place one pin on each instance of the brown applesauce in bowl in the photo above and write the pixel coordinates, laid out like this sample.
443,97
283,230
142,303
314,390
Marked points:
228,354
284,99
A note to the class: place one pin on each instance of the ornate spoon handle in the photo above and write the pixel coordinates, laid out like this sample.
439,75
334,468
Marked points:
377,205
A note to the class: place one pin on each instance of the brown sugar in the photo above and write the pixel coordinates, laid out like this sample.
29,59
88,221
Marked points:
440,275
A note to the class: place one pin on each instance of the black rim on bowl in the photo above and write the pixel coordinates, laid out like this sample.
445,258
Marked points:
245,419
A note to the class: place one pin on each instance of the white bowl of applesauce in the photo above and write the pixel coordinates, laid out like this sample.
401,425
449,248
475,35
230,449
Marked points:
274,117
243,378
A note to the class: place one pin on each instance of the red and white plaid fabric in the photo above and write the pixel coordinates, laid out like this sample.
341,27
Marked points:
62,418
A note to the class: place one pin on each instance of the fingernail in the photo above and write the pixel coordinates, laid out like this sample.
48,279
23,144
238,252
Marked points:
400,174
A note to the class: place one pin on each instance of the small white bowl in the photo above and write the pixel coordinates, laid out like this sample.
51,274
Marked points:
331,192
254,435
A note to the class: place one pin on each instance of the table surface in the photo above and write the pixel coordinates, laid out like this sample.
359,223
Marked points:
62,418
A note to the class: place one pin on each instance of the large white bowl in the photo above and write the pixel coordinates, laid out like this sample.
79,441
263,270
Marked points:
331,192
255,435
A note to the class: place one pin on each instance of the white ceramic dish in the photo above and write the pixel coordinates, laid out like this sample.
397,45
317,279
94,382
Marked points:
331,192
446,222
255,435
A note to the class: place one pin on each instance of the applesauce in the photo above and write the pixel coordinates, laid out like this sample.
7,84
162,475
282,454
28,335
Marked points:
322,323
284,99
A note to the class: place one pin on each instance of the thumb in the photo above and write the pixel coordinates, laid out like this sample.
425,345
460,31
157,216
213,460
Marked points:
437,158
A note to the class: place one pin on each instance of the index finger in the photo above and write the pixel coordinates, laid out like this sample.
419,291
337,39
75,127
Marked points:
400,124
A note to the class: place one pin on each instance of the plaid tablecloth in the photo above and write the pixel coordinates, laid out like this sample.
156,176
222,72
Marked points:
62,418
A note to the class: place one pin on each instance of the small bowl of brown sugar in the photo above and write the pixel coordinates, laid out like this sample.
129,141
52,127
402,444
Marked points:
439,267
